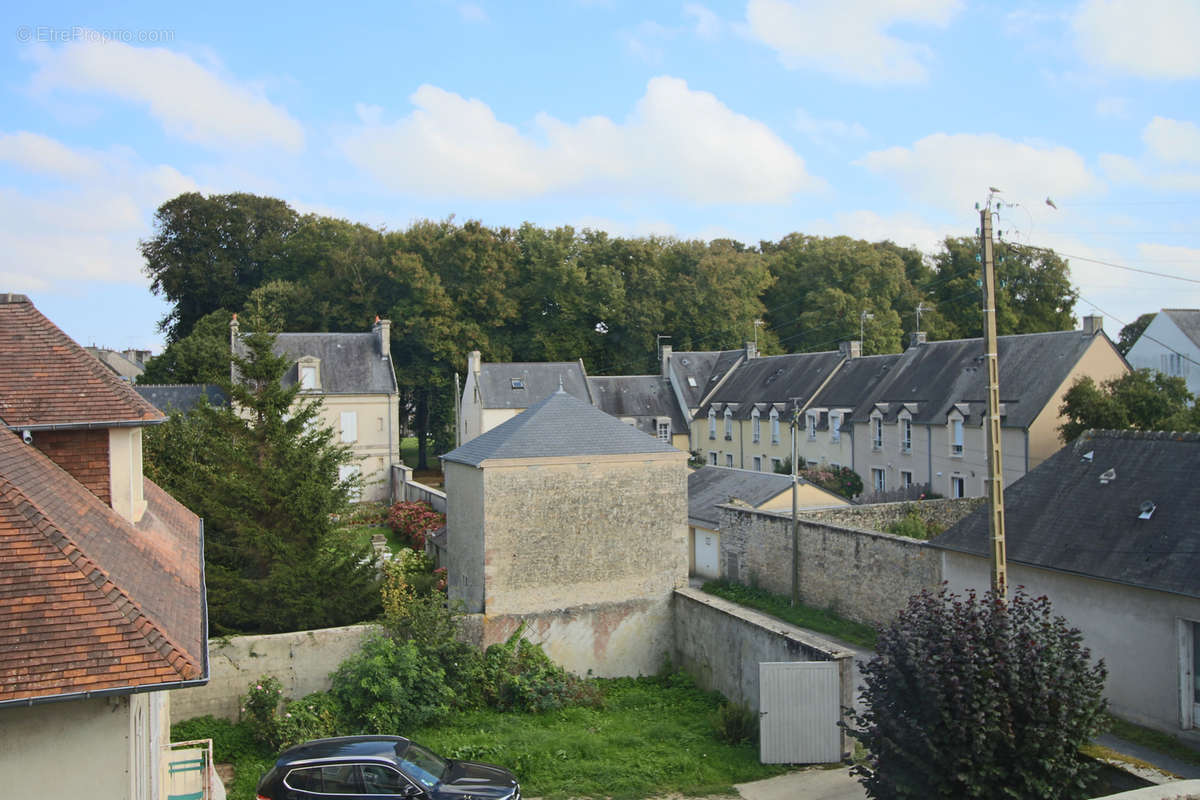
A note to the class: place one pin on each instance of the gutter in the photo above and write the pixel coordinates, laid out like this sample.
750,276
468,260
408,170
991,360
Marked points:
81,426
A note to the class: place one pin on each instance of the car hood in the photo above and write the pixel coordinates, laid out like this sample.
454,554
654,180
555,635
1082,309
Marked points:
465,780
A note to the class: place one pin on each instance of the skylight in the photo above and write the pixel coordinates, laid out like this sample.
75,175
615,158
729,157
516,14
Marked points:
518,383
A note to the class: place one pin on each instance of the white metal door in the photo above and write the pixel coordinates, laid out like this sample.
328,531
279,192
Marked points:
799,710
707,549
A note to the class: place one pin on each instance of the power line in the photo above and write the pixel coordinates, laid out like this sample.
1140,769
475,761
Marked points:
1144,335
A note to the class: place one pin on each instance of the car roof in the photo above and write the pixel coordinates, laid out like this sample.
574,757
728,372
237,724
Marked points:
345,747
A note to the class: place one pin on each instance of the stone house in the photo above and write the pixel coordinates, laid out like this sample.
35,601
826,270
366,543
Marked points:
102,598
1107,529
1171,345
569,521
353,376
711,487
496,392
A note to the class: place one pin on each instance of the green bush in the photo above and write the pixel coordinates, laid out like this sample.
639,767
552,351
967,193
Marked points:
521,677
914,526
316,716
979,698
736,723
260,710
391,686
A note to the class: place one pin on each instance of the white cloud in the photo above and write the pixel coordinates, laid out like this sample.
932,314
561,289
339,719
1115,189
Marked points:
38,153
1172,141
87,228
677,142
828,132
905,229
849,39
189,100
1146,38
705,23
954,171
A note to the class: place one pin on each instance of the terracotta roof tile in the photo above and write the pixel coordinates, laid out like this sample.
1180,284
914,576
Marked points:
88,601
48,379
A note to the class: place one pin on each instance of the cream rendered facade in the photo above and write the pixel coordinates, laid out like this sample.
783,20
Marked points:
366,423
110,747
770,440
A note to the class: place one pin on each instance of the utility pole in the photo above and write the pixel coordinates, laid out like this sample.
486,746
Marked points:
795,504
995,463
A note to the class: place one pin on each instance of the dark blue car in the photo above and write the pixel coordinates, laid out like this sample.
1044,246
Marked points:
381,767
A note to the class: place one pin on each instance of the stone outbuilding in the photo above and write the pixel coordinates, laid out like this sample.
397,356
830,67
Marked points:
574,523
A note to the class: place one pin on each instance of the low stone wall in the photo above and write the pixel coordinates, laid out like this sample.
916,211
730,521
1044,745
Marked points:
878,516
302,662
862,575
721,644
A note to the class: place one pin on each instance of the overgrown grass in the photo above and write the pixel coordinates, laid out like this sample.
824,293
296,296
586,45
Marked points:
652,736
358,536
409,455
1164,743
817,619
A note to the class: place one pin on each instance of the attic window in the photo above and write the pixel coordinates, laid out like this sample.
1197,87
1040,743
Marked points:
1147,509
308,372
1107,476
691,382
518,383
1088,456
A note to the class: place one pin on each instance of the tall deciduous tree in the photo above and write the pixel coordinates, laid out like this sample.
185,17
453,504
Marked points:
200,357
264,475
1142,400
1130,333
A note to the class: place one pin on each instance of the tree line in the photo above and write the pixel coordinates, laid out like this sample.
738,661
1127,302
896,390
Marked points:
553,294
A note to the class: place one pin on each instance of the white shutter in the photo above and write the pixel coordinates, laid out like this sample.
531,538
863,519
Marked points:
349,426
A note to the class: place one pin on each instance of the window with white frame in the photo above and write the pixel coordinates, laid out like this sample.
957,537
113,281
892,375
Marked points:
956,436
729,459
905,435
712,457
958,486
1174,364
349,426
774,426
758,463
876,431
811,422
755,426
878,479
664,432
712,424
308,378
835,427
906,479
729,425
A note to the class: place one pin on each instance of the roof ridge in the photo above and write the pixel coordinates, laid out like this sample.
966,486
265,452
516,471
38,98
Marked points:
1173,436
91,571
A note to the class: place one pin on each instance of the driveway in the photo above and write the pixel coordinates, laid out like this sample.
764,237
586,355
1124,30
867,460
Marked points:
810,784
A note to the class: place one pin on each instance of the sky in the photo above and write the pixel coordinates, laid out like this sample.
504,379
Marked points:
876,119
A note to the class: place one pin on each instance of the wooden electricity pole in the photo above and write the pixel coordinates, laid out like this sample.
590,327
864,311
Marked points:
995,463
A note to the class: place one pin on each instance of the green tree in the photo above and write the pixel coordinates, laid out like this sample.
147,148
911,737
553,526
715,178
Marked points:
200,357
264,475
979,698
1130,333
1033,289
209,253
1143,400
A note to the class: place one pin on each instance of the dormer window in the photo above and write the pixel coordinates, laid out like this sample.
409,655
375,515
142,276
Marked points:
905,433
774,426
755,425
835,427
308,370
728,424
811,420
712,424
956,435
876,431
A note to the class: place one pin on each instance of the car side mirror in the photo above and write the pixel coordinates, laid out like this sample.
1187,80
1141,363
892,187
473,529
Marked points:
413,791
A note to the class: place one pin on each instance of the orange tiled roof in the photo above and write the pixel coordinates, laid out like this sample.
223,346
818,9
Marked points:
89,602
48,379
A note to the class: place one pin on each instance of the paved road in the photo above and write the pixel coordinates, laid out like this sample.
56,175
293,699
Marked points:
812,784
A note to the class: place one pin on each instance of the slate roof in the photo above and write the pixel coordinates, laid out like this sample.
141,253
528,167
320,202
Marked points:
772,381
88,601
1187,320
644,397
351,363
559,425
705,368
937,375
50,381
1063,516
710,486
521,384
119,363
168,397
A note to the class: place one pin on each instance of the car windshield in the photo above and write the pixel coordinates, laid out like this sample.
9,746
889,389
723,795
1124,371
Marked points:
422,766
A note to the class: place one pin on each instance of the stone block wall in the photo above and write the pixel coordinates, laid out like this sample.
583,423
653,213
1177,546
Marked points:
862,575
878,516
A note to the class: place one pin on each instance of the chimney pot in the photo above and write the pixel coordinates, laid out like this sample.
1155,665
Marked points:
751,351
1093,324
666,360
918,339
851,349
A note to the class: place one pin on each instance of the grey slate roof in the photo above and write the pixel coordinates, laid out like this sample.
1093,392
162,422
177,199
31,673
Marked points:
168,397
521,384
351,363
1187,320
644,397
559,425
1061,516
937,375
773,380
704,368
710,486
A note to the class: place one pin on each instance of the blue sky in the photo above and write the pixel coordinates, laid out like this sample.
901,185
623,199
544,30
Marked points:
870,118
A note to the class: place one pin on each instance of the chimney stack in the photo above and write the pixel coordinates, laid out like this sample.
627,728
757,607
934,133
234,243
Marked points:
751,351
918,339
1093,324
383,330
666,361
851,349
474,360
